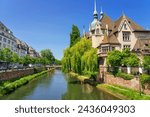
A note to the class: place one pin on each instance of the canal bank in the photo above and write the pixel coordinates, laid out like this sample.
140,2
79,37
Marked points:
119,92
57,86
7,87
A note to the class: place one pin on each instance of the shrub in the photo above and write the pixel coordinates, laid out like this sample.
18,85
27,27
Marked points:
11,86
145,79
125,76
39,69
92,75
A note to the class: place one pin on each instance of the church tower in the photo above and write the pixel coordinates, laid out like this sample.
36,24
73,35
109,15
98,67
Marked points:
95,29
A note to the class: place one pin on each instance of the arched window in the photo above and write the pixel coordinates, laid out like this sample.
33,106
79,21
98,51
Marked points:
97,31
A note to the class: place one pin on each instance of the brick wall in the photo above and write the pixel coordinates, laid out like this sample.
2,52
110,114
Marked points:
15,74
133,84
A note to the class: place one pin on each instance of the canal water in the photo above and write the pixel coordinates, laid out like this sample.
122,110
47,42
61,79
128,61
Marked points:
57,86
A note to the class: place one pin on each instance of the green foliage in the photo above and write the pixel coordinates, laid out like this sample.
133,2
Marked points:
39,69
11,86
57,62
74,36
126,58
114,58
145,78
123,92
15,58
80,58
146,62
129,59
6,55
48,56
125,76
27,60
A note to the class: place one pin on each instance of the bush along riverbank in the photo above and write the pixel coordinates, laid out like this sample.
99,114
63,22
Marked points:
9,86
84,79
122,92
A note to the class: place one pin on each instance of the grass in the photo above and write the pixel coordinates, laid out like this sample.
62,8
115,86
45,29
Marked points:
79,77
122,92
124,76
10,86
145,78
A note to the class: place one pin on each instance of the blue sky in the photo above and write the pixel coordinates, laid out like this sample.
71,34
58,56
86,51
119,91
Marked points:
47,23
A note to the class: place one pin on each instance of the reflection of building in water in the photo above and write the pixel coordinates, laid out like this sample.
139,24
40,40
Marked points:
86,88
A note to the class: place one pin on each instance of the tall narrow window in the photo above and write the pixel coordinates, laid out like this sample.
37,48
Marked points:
97,31
126,36
125,26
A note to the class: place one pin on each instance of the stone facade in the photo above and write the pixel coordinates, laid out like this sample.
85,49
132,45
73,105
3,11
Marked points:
133,84
15,74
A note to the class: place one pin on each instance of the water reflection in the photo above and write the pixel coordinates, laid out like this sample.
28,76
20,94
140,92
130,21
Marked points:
57,86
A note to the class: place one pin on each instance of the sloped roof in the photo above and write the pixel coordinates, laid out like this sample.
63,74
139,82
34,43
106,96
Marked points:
107,21
110,39
141,43
133,25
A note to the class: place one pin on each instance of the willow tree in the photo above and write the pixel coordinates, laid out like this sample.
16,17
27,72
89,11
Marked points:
80,57
89,61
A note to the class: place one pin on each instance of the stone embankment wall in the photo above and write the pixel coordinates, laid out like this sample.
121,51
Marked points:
133,84
15,74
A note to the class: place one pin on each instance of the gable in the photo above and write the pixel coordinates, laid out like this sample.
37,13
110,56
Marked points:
125,26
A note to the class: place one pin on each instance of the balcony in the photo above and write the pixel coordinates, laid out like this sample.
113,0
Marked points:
102,54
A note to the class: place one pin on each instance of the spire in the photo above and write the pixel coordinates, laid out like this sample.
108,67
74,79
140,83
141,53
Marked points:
95,11
123,14
101,13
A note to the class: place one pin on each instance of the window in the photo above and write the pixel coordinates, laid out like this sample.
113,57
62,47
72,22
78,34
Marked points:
125,26
127,46
4,39
97,31
0,38
126,36
8,41
105,49
113,48
4,45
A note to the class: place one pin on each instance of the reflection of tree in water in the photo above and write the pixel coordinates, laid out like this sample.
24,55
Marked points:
56,85
86,88
78,91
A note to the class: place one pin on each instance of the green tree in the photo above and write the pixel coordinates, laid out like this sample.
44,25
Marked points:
27,60
57,62
129,58
6,55
146,62
15,58
74,35
81,58
114,58
48,55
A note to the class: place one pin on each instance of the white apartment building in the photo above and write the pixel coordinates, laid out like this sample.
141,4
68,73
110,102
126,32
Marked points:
7,39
